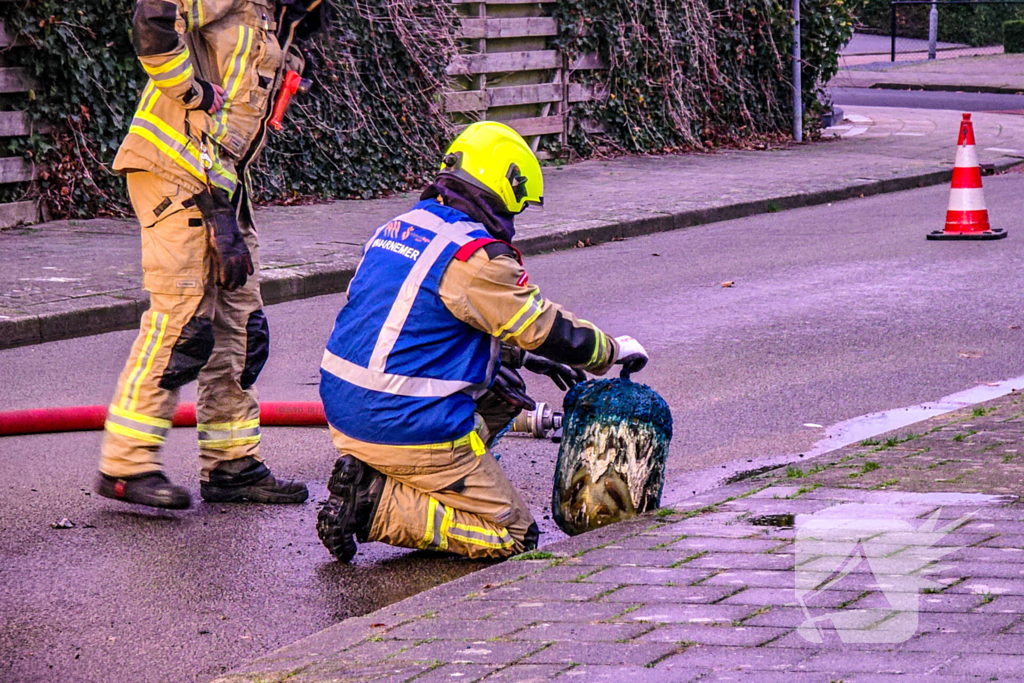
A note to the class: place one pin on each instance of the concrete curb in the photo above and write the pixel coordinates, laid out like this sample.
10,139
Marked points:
306,653
320,279
938,87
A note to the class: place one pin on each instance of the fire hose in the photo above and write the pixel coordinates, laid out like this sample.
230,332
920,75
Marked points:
86,418
536,423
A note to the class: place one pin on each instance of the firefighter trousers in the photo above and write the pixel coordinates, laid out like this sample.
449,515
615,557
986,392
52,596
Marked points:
192,330
450,497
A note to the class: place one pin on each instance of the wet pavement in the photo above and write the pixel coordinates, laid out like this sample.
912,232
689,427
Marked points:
835,312
831,574
71,278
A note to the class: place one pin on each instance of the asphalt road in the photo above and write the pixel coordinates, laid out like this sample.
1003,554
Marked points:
835,311
927,99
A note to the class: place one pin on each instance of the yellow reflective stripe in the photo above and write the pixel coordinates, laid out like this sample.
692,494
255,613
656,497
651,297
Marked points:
480,535
221,444
138,364
147,97
166,129
149,365
132,433
482,531
227,426
244,38
220,176
522,311
485,544
171,82
428,535
193,14
598,348
168,150
467,440
525,325
232,81
164,68
139,417
445,523
477,444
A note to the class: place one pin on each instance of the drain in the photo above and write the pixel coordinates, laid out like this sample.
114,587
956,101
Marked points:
781,521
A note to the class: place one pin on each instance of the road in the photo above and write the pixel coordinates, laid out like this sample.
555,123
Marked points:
835,311
922,99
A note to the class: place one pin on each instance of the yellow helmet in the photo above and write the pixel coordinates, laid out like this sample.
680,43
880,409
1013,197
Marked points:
494,157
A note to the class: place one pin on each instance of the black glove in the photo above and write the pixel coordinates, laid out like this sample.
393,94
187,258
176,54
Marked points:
511,388
564,376
231,256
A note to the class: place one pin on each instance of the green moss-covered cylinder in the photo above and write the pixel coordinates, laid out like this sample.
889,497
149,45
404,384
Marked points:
611,463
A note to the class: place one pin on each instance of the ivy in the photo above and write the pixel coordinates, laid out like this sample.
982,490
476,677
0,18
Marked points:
692,74
683,74
372,124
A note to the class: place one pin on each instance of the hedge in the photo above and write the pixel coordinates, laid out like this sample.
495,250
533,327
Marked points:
683,74
1013,37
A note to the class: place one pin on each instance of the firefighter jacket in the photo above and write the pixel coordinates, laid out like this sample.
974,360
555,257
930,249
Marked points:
419,339
184,46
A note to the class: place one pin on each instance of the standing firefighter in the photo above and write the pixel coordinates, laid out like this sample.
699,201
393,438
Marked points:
412,380
214,67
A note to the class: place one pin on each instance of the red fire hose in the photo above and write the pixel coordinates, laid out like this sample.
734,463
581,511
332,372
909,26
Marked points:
85,418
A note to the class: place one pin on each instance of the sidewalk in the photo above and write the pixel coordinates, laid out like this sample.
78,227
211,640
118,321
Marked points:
989,73
74,278
705,590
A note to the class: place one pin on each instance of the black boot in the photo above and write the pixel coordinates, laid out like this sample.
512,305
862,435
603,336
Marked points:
248,479
355,493
531,538
152,489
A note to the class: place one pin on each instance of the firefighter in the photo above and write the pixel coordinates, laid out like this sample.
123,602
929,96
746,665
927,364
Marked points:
214,67
412,379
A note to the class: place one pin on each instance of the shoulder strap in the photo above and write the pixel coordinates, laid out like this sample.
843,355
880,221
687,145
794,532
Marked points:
500,247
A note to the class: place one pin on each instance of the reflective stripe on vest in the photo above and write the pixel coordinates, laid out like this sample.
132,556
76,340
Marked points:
374,377
396,350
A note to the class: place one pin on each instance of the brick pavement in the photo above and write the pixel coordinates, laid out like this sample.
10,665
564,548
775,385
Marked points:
706,590
73,278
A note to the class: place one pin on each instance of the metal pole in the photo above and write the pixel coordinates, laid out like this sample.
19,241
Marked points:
933,30
798,102
892,30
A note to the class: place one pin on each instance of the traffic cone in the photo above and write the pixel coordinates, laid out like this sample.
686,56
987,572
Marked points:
966,217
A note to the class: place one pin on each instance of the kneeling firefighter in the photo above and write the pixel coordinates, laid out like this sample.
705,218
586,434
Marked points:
416,379
214,67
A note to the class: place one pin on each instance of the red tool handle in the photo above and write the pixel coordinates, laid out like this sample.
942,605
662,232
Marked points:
293,83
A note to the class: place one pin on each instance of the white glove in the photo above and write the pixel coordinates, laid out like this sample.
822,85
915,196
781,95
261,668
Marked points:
632,355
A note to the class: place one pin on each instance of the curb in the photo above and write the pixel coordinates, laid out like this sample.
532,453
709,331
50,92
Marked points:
989,89
305,653
317,280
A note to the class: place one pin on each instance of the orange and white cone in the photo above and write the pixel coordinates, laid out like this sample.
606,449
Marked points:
967,216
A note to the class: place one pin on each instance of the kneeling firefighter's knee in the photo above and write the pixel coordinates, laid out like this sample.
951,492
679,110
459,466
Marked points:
257,347
189,354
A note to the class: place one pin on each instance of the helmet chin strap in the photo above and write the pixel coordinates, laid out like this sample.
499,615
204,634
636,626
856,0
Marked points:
479,204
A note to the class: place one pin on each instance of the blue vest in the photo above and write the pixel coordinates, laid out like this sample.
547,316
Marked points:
399,368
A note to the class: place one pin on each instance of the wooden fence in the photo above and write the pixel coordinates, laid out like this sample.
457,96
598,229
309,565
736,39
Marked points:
508,71
15,90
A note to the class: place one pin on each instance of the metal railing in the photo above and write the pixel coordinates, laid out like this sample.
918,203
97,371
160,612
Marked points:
914,28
